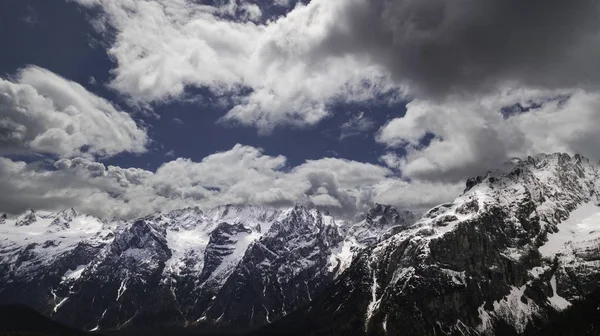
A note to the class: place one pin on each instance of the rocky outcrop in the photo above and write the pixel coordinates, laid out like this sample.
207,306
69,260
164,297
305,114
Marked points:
381,221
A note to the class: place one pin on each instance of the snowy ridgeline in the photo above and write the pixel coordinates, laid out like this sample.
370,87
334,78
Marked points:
518,246
192,253
546,206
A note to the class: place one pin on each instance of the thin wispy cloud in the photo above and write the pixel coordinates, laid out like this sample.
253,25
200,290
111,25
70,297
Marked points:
358,124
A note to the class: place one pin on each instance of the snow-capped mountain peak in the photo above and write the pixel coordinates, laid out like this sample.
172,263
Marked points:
63,219
27,218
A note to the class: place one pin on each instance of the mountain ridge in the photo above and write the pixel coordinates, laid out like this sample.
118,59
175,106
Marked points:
474,264
171,268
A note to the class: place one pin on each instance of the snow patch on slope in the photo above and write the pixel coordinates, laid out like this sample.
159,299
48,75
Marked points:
516,309
72,275
576,232
186,245
374,304
229,262
343,254
559,303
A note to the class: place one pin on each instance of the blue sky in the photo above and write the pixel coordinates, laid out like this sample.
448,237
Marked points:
125,108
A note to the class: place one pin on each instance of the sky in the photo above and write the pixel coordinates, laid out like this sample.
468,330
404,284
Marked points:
124,108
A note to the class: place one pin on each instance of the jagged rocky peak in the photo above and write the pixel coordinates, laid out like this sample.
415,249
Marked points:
543,189
185,218
280,271
142,234
386,215
557,168
140,249
223,242
3,218
302,213
301,219
64,218
380,222
28,218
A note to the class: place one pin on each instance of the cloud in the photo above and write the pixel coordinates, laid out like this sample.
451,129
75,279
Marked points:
477,133
442,47
357,124
491,80
241,175
273,73
41,112
296,64
420,194
36,186
177,122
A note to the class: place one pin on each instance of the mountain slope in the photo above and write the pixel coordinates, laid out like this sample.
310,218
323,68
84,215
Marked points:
179,269
520,245
281,271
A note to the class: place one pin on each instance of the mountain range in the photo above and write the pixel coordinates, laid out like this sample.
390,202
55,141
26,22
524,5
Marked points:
510,255
230,268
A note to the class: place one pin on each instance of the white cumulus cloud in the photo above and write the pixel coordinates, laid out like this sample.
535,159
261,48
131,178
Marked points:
471,134
275,73
241,175
41,112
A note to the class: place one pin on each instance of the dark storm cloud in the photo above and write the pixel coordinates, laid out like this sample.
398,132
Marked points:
442,46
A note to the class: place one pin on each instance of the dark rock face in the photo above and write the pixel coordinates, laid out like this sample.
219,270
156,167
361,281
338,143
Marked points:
381,221
472,181
384,215
121,287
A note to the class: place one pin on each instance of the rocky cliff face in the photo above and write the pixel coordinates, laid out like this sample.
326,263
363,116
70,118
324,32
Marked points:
233,267
520,245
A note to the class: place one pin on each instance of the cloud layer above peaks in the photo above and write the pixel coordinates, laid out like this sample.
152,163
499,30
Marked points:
241,175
